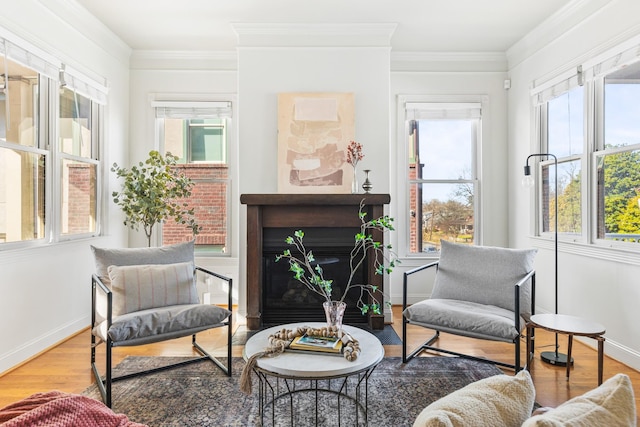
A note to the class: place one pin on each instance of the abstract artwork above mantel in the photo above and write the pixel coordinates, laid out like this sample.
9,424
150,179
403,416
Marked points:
314,130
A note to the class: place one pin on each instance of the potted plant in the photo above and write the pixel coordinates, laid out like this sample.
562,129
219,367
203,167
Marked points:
310,273
152,193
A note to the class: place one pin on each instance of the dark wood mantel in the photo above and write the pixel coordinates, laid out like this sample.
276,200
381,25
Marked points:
303,210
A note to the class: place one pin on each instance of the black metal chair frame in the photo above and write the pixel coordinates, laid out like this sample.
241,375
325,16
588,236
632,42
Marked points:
105,383
427,344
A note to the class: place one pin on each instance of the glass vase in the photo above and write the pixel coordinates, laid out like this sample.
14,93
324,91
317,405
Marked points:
334,311
354,182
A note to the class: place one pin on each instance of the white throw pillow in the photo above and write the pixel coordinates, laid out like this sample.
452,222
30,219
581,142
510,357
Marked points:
497,401
169,254
140,287
611,404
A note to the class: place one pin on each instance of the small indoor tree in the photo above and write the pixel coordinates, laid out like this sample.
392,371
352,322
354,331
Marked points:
154,191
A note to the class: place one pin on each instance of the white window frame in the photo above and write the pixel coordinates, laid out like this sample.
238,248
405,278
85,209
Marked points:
591,74
404,184
188,107
52,72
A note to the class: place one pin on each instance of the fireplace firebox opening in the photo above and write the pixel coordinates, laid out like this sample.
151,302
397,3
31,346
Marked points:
286,299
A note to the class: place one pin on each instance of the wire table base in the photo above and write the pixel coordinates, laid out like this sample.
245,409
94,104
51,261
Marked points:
307,388
350,391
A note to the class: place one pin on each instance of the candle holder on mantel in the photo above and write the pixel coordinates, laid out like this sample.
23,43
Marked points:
366,185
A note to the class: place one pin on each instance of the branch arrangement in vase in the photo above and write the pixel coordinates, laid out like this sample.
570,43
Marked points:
310,273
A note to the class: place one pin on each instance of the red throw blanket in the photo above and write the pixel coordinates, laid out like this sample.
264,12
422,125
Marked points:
58,409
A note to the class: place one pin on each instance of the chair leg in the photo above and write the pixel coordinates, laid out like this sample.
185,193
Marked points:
104,385
517,364
427,346
404,340
207,355
109,375
418,350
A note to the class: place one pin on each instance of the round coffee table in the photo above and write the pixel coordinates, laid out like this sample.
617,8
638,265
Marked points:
313,373
568,325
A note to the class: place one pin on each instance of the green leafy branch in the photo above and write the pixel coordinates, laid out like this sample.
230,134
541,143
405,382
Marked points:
310,274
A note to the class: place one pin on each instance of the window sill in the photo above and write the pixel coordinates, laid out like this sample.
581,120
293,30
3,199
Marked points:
598,251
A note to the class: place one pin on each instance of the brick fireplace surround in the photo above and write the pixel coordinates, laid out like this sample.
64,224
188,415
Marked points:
287,211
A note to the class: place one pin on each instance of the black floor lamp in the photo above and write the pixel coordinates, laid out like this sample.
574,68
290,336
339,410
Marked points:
551,357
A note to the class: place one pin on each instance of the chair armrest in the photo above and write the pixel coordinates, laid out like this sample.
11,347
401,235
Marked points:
224,278
405,279
105,294
530,275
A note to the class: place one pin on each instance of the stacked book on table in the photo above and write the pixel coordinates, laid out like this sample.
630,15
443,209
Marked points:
324,345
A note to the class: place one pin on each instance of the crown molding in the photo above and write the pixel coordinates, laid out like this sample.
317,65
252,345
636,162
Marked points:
184,60
555,27
314,35
85,25
449,61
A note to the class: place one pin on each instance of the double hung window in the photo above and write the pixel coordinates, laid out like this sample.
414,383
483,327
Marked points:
49,137
564,139
78,134
442,140
617,157
23,154
590,121
197,133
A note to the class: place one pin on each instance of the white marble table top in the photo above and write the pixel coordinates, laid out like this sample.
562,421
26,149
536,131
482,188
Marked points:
312,365
564,323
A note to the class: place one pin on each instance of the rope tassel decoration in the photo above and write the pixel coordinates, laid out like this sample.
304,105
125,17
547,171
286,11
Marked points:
280,341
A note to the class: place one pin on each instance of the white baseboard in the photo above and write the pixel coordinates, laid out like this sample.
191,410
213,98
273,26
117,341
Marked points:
614,350
26,352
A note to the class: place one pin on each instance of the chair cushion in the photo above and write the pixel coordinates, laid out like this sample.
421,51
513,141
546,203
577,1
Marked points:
170,254
610,404
159,324
139,287
483,274
497,401
464,318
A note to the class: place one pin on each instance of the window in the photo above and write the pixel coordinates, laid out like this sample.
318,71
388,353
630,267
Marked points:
591,121
618,158
565,140
40,175
77,142
197,133
442,143
22,160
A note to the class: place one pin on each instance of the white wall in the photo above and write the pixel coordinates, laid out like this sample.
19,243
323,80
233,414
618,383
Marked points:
601,285
45,290
271,65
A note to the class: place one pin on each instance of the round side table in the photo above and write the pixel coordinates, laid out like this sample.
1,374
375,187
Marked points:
570,326
294,368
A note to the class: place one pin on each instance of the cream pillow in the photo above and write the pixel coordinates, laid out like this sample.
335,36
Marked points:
140,287
611,404
497,401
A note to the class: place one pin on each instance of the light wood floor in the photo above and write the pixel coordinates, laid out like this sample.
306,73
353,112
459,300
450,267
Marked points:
66,366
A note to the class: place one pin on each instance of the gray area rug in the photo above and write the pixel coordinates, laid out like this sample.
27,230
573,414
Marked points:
387,336
201,395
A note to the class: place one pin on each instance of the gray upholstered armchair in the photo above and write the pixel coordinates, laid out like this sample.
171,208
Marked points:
146,295
479,292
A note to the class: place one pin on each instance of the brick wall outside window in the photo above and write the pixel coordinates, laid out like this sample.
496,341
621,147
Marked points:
210,202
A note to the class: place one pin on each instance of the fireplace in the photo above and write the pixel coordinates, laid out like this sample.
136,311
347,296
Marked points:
285,299
330,222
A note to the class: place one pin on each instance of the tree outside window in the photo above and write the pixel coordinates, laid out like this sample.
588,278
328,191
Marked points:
442,145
